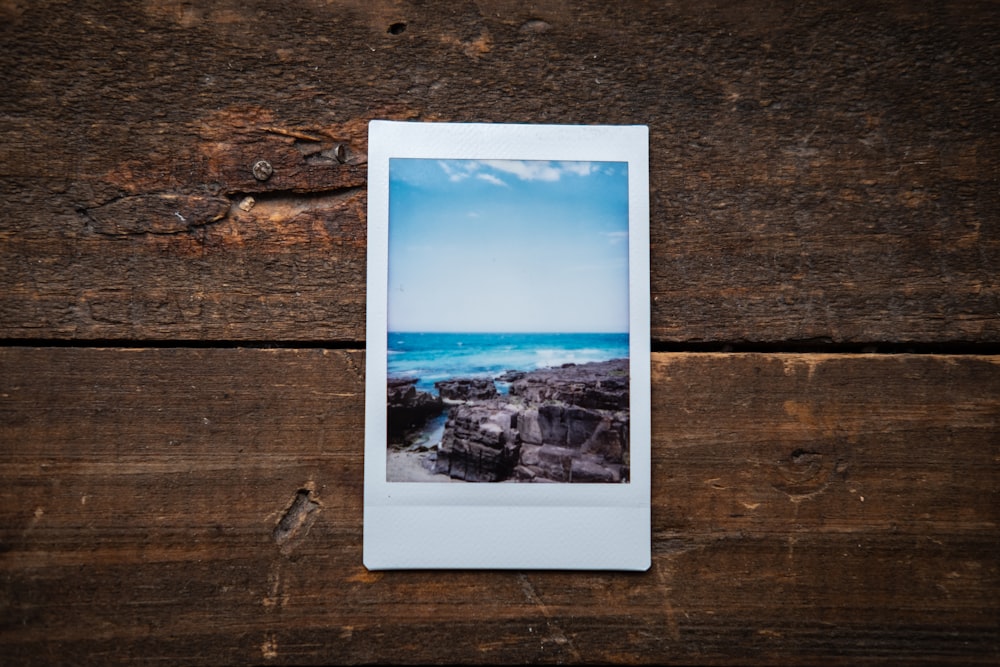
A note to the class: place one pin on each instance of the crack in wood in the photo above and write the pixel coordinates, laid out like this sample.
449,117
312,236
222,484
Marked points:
315,194
171,214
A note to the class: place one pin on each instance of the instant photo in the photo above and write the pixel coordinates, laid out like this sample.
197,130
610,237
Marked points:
507,406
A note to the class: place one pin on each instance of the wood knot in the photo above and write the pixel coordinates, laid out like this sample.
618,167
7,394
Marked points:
160,213
296,520
535,26
803,473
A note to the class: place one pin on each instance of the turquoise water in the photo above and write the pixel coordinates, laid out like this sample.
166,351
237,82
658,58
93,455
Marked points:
433,357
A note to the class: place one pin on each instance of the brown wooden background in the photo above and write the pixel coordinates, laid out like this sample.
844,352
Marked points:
177,374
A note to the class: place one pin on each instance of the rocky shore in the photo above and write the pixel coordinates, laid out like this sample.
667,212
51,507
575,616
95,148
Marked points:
564,424
409,409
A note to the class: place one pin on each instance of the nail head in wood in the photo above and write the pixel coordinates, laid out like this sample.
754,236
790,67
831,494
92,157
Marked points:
262,170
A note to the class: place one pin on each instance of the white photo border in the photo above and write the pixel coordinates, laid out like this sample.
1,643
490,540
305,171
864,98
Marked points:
489,525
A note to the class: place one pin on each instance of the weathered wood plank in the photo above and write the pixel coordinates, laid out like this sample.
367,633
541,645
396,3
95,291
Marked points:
819,171
834,508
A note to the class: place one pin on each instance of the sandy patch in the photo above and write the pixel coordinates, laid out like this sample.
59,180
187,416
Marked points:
408,467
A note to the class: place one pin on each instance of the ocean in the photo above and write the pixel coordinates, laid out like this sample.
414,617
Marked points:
432,357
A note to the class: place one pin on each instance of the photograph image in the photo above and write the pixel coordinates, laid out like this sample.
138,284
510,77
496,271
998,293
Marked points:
508,321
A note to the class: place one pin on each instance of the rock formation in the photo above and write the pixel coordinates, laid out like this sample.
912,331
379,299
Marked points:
408,408
602,385
567,424
466,389
480,442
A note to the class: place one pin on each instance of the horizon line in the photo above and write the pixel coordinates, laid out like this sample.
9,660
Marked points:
558,333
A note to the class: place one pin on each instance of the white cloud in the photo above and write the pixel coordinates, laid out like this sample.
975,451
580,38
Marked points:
457,174
540,170
526,170
578,168
451,173
616,237
490,178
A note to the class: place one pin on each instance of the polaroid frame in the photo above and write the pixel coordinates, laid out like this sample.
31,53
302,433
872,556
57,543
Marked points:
420,525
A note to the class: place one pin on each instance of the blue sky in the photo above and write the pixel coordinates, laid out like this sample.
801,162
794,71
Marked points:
508,246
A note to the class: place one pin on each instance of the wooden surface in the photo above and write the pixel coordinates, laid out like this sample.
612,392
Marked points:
818,172
181,368
806,506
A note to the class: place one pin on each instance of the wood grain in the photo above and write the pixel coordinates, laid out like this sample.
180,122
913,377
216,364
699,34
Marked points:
820,172
806,508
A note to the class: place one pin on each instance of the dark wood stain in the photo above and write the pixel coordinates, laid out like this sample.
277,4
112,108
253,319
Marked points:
181,386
